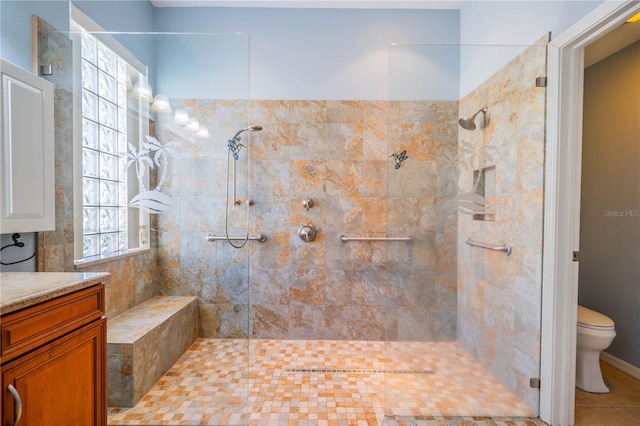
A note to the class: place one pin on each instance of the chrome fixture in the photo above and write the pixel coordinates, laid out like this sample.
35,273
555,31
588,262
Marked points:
470,123
234,146
261,238
307,203
250,128
506,249
46,70
18,410
234,143
307,233
345,239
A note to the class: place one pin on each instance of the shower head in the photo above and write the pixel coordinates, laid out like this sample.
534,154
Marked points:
250,128
470,123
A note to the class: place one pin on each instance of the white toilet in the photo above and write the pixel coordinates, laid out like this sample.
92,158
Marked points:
595,333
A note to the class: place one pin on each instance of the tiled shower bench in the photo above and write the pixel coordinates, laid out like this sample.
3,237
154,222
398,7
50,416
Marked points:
144,342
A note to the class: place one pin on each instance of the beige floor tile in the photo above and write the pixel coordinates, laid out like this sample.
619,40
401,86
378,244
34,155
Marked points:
622,403
625,382
624,389
602,416
632,412
589,399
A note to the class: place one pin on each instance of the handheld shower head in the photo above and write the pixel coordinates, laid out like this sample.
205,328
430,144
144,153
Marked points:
470,123
250,128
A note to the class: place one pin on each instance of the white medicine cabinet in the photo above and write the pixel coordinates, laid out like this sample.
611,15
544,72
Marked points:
27,151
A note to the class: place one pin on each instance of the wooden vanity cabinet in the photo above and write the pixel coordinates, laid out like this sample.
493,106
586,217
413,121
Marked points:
54,362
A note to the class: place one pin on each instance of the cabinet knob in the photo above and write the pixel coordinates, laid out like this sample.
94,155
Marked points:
16,396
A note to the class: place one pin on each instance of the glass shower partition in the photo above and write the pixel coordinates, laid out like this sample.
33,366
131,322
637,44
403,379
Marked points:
368,315
449,302
422,175
205,78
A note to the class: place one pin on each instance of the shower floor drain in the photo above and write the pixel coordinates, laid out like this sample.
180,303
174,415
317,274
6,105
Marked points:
355,371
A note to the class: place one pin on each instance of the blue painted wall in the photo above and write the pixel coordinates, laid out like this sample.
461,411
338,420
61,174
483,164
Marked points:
203,66
325,53
15,26
131,21
494,32
120,15
310,53
117,16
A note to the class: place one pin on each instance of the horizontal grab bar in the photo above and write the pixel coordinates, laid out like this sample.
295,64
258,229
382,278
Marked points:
505,248
344,238
261,238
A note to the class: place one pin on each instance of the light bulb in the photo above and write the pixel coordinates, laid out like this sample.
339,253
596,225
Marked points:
161,104
193,125
181,117
142,91
203,133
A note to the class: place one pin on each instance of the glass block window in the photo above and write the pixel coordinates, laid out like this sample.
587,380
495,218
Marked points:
104,149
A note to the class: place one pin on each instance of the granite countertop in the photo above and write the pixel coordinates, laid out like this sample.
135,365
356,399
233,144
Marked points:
22,289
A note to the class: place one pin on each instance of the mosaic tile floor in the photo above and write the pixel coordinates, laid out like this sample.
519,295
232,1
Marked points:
285,382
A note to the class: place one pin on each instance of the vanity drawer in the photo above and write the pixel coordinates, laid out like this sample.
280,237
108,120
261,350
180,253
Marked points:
36,325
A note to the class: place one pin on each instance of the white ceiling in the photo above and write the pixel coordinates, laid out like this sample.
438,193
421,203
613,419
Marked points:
318,4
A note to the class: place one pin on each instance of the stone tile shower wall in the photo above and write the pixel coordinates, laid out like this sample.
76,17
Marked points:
499,296
336,153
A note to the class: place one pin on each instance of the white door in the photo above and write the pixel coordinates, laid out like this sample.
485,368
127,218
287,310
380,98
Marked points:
562,207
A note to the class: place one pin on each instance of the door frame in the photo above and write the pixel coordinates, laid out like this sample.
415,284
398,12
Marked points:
565,72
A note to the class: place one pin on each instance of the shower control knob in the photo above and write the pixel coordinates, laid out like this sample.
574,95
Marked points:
307,203
307,233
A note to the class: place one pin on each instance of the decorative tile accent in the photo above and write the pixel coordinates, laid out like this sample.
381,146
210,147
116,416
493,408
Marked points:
265,382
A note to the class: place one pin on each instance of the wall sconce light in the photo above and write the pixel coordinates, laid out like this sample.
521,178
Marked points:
193,126
161,104
181,117
142,91
203,132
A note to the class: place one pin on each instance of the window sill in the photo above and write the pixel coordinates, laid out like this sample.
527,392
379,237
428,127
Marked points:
97,260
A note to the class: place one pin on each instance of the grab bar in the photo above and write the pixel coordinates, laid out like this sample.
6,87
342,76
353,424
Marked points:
261,238
344,238
506,249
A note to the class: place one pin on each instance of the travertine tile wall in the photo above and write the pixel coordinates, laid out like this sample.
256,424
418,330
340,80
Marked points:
499,296
133,279
338,154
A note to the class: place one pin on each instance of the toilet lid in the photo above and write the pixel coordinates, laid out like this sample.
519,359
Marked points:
592,319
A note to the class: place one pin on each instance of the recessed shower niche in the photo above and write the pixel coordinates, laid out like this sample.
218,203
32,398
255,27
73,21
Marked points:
485,185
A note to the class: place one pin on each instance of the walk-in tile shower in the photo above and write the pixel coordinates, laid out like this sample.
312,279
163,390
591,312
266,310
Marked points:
386,311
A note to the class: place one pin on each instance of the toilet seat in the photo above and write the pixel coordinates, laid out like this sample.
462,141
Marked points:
591,319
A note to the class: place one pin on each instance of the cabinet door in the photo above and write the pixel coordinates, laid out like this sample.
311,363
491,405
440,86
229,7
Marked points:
62,383
27,154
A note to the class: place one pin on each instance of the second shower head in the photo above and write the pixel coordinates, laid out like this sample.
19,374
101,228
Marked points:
470,123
